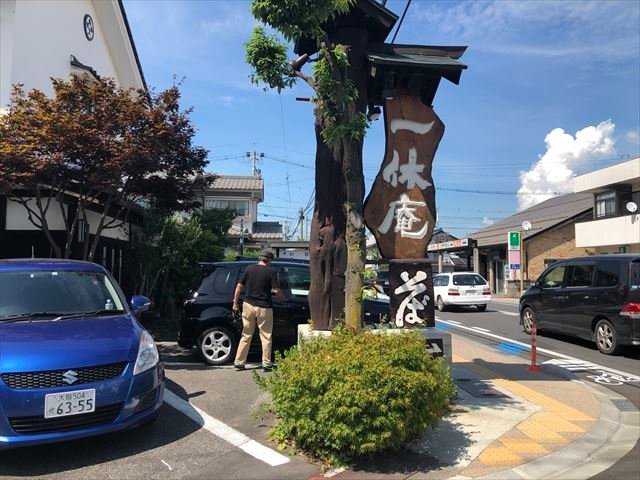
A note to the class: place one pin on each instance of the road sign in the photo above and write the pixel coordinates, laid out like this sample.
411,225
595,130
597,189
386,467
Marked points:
514,266
513,240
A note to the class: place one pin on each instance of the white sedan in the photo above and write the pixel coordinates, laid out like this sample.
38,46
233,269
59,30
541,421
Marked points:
461,289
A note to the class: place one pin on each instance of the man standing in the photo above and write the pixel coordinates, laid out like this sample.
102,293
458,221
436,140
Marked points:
258,281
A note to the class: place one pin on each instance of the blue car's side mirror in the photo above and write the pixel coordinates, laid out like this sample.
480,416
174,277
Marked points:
139,304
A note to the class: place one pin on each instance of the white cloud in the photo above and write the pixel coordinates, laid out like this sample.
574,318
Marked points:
487,221
633,137
553,172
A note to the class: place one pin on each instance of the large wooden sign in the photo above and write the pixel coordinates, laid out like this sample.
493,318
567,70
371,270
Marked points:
400,210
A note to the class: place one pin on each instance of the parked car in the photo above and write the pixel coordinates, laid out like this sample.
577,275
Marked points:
596,298
74,361
461,289
209,324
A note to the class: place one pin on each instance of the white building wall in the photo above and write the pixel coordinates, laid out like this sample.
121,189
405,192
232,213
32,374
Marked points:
614,231
45,35
18,219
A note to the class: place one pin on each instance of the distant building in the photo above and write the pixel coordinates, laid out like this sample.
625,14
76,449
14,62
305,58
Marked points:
550,238
615,224
243,194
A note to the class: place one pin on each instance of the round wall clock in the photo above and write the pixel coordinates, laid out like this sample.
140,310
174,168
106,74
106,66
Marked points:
89,29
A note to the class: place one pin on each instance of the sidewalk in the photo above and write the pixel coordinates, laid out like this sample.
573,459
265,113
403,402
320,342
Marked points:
510,423
509,300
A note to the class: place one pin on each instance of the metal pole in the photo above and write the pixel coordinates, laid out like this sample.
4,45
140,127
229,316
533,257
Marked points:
242,236
521,266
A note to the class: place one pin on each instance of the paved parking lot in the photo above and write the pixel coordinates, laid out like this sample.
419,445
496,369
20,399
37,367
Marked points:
176,446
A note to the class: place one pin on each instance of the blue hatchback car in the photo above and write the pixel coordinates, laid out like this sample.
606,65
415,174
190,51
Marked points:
74,361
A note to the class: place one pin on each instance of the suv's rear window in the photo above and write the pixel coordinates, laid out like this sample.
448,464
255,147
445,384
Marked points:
468,280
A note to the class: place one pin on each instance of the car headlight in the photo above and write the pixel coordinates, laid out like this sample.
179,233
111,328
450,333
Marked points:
148,356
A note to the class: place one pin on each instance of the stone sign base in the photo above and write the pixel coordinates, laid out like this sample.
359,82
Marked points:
438,342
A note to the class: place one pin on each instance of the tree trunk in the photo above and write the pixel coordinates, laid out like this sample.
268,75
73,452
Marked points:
357,39
327,249
337,243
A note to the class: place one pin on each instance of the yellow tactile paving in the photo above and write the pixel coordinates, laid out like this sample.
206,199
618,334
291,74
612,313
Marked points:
566,412
499,456
520,445
556,422
539,434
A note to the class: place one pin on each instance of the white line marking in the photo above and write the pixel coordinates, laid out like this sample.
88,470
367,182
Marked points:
225,432
454,322
481,329
513,314
184,364
544,350
168,466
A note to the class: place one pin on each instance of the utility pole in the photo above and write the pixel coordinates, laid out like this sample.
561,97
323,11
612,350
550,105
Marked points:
301,224
255,158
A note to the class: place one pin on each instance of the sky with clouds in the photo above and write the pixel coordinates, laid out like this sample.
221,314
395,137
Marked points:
551,91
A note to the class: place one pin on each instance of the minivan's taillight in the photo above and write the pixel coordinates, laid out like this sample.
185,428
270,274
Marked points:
454,292
631,309
486,291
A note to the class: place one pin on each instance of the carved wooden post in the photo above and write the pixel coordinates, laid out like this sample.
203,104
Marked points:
401,211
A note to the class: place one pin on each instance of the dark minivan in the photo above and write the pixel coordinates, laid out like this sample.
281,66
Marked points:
596,298
209,324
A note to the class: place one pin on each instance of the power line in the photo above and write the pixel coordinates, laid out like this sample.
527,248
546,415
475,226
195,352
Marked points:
401,20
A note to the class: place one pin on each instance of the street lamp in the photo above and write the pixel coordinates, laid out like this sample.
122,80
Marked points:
526,226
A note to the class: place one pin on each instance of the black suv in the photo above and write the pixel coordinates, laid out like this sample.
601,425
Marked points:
596,298
209,324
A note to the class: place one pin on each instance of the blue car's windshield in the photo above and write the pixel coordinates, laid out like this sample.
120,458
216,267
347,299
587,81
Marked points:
54,293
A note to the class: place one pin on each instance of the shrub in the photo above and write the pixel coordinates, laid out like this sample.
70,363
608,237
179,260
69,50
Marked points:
355,394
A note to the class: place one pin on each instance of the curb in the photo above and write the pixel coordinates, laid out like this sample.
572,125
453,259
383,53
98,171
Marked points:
611,438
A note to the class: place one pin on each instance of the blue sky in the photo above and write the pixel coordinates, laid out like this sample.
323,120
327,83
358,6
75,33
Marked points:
552,90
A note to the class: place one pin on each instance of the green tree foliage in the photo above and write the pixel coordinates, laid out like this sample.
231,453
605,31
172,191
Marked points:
357,394
167,251
96,146
338,109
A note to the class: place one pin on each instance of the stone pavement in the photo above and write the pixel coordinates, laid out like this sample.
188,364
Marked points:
510,423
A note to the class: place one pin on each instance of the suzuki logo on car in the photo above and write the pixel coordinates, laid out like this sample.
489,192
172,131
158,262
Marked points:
70,377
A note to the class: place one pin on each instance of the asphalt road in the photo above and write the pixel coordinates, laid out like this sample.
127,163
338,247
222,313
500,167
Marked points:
181,444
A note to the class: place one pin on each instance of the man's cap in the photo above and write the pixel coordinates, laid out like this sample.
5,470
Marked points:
266,253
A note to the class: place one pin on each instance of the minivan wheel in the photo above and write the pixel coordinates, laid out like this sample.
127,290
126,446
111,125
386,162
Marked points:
217,345
528,319
606,337
441,306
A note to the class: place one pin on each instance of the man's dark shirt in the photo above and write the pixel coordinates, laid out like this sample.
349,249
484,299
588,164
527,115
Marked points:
258,282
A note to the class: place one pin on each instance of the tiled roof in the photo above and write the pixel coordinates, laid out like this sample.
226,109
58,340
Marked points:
267,230
237,182
542,216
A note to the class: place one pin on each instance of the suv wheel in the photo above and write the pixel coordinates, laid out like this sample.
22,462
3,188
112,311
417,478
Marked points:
606,337
217,345
528,319
441,306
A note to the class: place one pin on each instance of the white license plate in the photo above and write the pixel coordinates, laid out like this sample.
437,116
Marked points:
472,292
69,403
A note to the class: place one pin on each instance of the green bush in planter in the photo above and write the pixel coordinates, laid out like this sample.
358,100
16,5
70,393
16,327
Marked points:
355,394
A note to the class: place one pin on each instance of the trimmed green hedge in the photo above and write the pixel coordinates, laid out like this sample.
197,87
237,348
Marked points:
355,394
